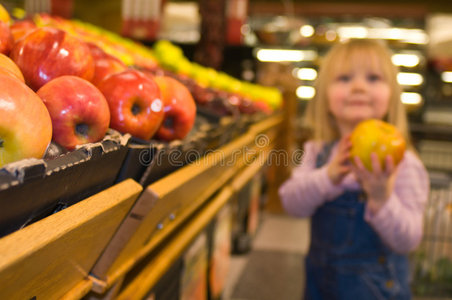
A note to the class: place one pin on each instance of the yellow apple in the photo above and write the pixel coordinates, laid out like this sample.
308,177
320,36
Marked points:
379,137
4,15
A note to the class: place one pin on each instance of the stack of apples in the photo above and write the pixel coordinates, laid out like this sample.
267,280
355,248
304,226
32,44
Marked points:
54,86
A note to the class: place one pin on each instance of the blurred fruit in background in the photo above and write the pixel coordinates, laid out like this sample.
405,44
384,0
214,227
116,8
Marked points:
6,38
4,15
21,28
171,58
104,64
47,53
179,109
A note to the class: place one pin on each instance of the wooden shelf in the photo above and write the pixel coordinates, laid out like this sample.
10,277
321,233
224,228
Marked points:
178,196
161,261
87,249
52,258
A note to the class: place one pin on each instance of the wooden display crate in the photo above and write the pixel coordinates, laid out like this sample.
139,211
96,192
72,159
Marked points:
172,200
51,259
173,249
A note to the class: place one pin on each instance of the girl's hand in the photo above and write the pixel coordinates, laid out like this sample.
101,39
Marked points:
340,165
378,184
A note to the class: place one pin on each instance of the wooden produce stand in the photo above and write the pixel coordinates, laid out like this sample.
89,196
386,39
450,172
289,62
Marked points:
87,250
183,206
52,258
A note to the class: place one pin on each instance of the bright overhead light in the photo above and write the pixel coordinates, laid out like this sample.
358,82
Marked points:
279,55
415,36
385,33
407,35
409,78
405,60
352,32
411,98
306,74
305,92
446,76
307,31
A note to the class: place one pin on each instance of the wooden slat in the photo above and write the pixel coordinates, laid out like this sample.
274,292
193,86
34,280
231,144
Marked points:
266,125
163,260
180,194
51,257
142,283
78,291
248,173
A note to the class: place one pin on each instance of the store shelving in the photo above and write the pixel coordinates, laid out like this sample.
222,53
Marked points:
59,256
54,256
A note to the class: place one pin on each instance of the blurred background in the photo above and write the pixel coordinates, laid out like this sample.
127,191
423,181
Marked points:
280,44
247,38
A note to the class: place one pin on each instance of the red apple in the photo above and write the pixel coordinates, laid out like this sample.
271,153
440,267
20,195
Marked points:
25,125
96,51
8,67
78,110
180,109
379,137
6,38
47,53
19,29
201,94
135,103
104,64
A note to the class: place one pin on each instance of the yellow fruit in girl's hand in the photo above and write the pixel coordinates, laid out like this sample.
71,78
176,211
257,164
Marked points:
379,137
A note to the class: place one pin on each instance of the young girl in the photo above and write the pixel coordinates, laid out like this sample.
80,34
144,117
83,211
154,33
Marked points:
363,223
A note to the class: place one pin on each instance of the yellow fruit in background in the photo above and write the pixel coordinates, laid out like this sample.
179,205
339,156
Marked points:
379,137
4,15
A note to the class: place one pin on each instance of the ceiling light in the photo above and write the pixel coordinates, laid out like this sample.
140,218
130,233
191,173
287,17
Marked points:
307,31
410,78
405,60
279,55
306,74
305,92
411,98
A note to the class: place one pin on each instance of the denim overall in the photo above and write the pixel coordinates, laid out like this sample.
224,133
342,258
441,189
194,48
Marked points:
347,259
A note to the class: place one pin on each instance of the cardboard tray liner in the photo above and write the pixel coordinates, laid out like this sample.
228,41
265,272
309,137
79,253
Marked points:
32,189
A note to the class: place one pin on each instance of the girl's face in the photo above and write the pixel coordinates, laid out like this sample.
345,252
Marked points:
358,92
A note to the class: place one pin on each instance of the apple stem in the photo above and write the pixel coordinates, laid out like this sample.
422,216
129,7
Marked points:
1,143
82,129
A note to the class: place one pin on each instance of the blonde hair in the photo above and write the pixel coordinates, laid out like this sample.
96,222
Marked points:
367,53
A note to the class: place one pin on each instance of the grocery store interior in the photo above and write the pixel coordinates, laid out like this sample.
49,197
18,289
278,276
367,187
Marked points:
187,207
